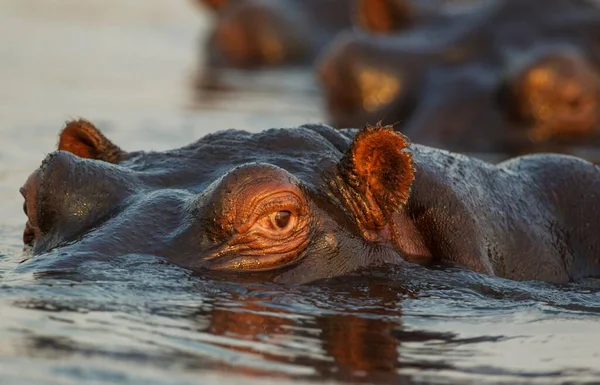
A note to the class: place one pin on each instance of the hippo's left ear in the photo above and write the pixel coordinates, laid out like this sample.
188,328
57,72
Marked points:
379,171
214,5
383,16
83,139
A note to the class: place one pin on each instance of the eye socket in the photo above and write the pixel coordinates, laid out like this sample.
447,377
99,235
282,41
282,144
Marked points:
272,232
25,208
273,241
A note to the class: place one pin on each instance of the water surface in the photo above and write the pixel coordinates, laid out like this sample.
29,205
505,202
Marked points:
130,66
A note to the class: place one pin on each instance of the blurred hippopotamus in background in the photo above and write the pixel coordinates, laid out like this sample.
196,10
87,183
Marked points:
252,34
302,204
508,76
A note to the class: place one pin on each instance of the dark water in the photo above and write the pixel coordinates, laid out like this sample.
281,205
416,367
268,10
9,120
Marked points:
129,66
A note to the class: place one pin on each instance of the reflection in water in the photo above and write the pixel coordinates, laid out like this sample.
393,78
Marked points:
258,330
375,327
340,345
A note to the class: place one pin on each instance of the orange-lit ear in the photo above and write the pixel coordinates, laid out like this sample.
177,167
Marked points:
214,5
83,139
383,16
380,172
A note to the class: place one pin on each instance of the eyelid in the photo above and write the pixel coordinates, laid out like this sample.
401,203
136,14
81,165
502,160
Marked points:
273,207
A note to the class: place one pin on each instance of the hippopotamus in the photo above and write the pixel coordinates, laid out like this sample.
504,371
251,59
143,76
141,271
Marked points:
297,205
391,16
252,34
503,76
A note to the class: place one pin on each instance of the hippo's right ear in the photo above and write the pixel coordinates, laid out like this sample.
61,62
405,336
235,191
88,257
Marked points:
214,5
383,16
378,173
83,139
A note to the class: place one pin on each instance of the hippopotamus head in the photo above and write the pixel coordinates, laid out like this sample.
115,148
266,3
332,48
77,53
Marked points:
499,76
294,205
273,33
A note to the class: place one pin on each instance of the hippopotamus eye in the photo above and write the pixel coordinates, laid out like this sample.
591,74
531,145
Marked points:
274,233
282,218
278,222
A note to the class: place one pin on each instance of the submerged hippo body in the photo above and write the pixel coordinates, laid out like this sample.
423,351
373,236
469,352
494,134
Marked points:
297,205
511,76
273,33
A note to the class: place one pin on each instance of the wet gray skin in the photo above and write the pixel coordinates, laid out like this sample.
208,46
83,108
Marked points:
303,204
501,76
251,34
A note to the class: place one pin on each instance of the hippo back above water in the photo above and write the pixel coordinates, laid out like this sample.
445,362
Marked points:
298,205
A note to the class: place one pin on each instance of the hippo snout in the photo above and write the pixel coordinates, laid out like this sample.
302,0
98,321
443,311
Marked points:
68,193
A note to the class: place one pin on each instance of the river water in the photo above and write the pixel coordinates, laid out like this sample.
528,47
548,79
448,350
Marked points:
130,66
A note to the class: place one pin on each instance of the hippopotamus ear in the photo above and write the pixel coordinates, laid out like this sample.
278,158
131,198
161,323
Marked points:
383,16
380,172
83,139
215,5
